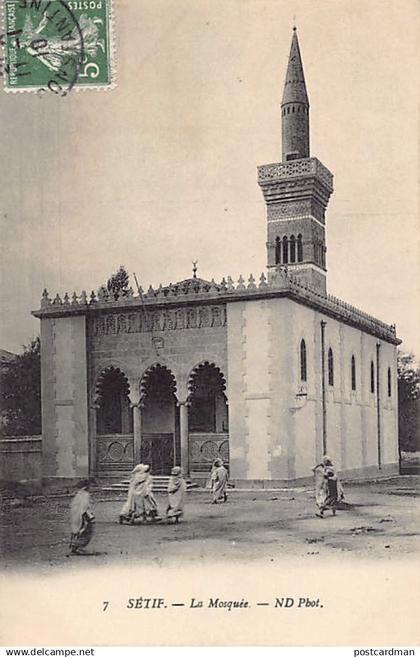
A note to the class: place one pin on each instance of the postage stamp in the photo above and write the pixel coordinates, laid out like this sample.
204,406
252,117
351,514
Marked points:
57,45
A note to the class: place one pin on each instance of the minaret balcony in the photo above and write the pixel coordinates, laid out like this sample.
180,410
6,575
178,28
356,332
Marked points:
307,167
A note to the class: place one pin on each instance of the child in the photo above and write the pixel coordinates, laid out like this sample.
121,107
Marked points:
82,518
176,494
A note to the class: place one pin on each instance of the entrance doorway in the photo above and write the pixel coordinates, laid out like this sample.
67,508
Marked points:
160,446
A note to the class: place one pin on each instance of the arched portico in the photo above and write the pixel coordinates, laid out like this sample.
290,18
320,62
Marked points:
145,420
157,440
114,423
208,420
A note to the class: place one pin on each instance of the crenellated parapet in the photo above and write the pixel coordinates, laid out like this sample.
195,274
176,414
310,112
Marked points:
280,283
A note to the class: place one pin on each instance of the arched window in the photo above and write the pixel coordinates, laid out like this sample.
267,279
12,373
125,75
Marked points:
389,382
278,250
299,109
303,368
288,110
292,248
330,367
372,376
285,250
293,109
353,373
299,248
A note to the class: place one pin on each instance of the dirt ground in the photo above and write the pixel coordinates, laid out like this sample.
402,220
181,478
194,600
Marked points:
378,520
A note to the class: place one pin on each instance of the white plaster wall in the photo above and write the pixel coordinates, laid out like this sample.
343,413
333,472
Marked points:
371,427
282,454
281,436
238,439
70,371
256,385
258,438
80,398
306,417
334,433
351,415
354,437
64,385
305,437
334,337
65,442
389,404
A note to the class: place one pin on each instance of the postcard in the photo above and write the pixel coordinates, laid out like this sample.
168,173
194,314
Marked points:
209,323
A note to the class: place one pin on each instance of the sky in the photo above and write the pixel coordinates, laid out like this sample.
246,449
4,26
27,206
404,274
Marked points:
161,170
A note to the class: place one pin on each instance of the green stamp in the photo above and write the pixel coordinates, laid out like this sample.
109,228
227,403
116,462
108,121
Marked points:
57,45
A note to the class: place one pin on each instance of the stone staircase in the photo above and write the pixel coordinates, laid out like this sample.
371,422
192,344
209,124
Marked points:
160,485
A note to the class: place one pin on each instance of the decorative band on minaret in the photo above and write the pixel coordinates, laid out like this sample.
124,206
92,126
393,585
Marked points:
296,190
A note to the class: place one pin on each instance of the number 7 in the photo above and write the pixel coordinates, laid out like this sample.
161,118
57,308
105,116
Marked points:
105,604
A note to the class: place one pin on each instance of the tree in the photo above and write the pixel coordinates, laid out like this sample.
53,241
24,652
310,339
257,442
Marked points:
20,393
408,403
118,283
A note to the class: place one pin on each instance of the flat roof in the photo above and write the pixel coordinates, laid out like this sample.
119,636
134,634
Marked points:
196,291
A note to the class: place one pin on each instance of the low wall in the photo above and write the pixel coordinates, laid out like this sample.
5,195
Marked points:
21,464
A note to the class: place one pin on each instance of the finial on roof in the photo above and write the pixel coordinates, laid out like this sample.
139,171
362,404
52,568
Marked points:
194,263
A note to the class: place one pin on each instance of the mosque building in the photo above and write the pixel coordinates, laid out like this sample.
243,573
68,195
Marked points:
268,373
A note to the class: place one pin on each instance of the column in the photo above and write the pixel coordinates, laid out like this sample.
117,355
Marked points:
324,403
378,403
183,430
137,432
345,362
92,440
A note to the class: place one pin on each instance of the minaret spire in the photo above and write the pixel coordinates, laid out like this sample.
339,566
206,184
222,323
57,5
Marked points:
297,189
295,107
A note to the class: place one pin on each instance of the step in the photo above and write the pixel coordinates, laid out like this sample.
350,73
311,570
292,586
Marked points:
160,485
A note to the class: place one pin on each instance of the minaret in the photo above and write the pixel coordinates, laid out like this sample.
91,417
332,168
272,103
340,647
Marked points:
297,189
295,108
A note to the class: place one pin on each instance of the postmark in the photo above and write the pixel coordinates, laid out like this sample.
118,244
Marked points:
57,45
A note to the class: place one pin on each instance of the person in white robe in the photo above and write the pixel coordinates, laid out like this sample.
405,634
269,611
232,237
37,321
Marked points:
129,505
144,500
219,481
176,495
209,478
82,519
328,489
